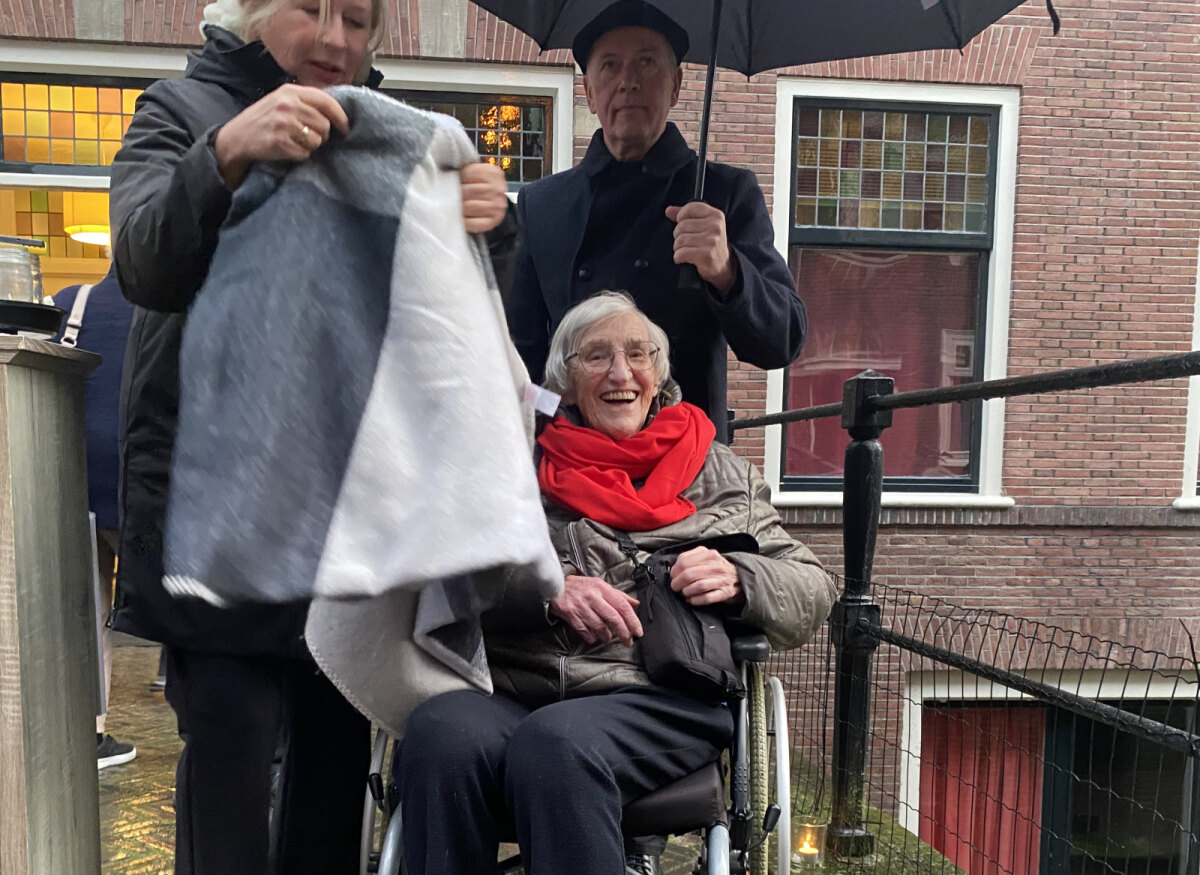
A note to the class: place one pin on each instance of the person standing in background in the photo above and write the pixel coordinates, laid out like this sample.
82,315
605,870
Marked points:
98,321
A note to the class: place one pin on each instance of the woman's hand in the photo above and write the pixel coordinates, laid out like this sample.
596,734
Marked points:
484,197
705,577
286,125
597,611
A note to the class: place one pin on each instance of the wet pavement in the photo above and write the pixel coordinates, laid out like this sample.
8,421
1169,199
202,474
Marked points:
137,821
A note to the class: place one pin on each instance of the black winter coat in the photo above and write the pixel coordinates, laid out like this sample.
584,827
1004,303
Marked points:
580,239
168,203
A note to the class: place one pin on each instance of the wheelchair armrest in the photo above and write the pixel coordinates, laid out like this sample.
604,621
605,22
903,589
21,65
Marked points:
750,648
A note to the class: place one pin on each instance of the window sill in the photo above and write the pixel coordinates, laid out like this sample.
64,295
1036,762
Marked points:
1191,503
902,499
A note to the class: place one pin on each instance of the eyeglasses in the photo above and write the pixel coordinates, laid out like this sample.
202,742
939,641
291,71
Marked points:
598,358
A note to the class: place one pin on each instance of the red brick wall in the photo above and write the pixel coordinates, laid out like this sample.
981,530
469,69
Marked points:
38,19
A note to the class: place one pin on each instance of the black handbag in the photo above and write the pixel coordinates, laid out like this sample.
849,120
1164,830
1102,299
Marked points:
684,648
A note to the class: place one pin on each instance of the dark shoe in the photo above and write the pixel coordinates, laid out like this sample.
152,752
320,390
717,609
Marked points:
159,683
642,864
111,752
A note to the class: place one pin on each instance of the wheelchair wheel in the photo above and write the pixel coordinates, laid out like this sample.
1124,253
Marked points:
756,704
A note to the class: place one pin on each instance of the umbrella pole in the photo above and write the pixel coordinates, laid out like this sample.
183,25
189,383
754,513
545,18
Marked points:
702,164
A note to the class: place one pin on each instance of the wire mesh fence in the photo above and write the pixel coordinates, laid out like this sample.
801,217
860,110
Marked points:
1000,744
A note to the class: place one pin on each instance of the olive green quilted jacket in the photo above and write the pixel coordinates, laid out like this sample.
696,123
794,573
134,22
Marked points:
540,659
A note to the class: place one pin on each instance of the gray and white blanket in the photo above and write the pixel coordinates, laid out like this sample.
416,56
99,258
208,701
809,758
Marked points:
350,429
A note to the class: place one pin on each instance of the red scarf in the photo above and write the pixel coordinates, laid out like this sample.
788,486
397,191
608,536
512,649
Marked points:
592,474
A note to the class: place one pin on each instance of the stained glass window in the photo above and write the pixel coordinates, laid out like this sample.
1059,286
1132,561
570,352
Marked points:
511,132
63,124
39,215
891,170
893,213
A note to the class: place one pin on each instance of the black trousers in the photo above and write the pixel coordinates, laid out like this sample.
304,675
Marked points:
473,769
234,714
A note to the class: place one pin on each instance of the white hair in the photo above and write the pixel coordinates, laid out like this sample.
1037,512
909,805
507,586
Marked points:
244,19
580,319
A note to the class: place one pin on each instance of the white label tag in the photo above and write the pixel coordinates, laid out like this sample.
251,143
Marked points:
541,400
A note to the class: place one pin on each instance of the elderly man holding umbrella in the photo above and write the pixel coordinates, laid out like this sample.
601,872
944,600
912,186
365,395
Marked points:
625,219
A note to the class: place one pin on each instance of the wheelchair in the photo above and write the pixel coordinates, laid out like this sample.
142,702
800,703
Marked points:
729,802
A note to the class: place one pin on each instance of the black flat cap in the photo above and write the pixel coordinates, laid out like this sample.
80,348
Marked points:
628,13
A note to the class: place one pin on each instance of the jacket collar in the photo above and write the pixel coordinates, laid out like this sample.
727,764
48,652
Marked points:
246,69
669,153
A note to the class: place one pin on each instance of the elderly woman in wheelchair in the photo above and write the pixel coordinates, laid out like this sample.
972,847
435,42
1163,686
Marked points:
599,699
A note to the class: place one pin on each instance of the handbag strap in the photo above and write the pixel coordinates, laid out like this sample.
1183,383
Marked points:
75,319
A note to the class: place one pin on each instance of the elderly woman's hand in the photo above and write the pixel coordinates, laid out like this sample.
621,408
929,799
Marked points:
705,577
484,196
597,610
286,125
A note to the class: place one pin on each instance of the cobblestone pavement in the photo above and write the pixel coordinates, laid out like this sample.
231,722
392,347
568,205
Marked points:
137,821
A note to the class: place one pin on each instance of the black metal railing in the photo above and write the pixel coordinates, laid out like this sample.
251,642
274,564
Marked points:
856,630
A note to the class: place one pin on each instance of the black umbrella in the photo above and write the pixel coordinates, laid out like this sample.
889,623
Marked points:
755,35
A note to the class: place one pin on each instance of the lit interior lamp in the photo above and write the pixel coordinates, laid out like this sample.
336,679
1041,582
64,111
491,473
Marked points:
85,216
809,846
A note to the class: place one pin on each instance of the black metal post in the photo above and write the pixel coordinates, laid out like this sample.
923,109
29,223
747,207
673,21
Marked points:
1192,858
862,491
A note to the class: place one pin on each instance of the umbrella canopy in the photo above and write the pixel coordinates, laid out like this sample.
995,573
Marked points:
757,35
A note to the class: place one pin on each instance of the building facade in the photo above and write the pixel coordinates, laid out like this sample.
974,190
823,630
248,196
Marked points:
1031,203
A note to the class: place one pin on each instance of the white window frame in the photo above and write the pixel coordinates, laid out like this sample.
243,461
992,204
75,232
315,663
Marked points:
953,685
472,78
995,366
30,56
1188,498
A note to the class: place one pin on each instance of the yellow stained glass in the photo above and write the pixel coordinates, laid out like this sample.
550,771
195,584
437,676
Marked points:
21,200
108,151
127,120
87,152
13,122
893,184
872,155
806,152
54,201
37,96
40,222
85,99
62,151
61,98
87,126
129,98
868,214
37,124
110,127
58,247
12,95
37,150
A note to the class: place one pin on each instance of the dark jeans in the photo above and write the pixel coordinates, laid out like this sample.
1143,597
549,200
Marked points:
234,713
473,769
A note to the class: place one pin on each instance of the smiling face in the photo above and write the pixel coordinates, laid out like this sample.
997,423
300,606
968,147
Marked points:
631,84
616,401
319,53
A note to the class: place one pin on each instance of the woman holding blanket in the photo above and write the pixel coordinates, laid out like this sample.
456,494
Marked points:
576,727
239,678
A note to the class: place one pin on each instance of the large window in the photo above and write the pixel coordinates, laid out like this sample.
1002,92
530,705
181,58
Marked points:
58,136
63,124
511,132
891,233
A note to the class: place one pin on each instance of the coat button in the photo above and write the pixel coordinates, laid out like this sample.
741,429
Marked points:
584,274
641,264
